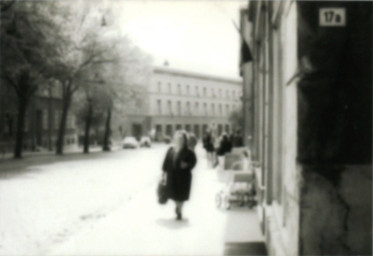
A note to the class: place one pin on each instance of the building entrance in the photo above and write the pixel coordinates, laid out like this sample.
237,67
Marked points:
196,130
136,130
169,130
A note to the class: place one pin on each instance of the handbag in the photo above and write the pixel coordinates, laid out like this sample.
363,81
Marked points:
162,192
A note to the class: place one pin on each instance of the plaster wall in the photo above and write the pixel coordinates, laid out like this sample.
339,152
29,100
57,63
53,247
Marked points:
283,217
336,216
223,95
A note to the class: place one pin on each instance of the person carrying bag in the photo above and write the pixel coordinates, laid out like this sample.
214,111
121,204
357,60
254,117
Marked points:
177,170
162,190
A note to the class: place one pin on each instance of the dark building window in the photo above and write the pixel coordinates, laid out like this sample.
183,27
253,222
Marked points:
159,105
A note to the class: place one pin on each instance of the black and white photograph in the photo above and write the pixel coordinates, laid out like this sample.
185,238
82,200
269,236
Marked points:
186,127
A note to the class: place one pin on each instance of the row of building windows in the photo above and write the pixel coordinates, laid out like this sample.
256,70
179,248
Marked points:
197,129
198,109
212,92
70,120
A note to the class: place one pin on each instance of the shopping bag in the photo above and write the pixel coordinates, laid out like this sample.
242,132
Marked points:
162,192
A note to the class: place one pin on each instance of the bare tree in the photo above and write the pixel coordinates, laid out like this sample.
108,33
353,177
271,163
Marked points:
82,49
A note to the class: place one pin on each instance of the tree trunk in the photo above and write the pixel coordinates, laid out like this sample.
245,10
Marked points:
50,130
106,144
22,106
62,129
87,128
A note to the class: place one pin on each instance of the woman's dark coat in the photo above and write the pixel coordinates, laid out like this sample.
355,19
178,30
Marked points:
179,179
225,146
207,143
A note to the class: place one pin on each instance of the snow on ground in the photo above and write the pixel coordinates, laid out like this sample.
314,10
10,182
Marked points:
105,203
45,203
143,227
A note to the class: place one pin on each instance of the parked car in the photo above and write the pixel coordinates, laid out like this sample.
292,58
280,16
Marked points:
130,142
145,142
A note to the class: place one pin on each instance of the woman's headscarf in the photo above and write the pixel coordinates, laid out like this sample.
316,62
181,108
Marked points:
192,141
184,142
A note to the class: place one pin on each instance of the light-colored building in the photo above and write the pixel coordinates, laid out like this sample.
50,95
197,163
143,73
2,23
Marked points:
178,99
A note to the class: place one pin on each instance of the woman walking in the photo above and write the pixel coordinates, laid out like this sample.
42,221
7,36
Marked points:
177,170
208,145
225,146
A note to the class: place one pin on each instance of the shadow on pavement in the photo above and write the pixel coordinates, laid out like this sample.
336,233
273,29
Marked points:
173,223
245,248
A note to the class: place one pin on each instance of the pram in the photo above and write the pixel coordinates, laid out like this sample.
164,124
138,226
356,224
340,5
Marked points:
239,190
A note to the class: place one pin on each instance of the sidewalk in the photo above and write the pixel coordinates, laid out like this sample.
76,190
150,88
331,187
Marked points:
143,227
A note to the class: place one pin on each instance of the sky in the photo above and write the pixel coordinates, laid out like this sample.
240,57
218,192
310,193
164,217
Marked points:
196,36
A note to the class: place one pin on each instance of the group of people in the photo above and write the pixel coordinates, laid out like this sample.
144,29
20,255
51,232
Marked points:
216,147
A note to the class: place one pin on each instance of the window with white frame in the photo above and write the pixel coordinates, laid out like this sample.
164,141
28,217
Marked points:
196,108
187,110
159,107
179,108
169,106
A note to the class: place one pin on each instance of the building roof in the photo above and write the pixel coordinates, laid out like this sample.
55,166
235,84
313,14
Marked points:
177,72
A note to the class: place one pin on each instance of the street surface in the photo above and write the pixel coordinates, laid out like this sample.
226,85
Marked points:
105,203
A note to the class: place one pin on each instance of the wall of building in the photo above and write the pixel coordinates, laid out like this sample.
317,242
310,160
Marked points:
221,97
336,216
179,99
41,120
283,180
311,92
335,131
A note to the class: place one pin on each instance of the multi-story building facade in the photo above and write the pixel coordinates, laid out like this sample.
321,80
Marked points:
184,100
41,122
309,112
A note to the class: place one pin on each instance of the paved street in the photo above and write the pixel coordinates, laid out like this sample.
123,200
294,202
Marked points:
44,204
105,203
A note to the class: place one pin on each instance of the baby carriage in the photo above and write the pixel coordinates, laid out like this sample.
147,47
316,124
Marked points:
239,190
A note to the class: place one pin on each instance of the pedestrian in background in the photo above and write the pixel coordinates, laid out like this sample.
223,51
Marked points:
177,171
237,139
216,143
192,141
208,145
224,147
